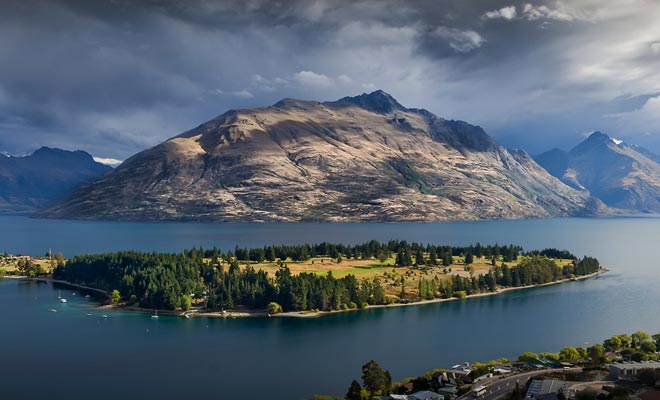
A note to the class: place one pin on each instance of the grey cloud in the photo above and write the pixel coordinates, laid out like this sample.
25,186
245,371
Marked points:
113,77
462,41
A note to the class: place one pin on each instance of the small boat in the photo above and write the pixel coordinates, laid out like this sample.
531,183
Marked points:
104,316
52,310
155,315
87,296
59,294
89,315
62,300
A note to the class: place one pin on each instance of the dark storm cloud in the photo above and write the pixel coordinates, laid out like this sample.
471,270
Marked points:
113,77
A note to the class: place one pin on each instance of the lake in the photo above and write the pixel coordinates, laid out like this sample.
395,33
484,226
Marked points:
70,354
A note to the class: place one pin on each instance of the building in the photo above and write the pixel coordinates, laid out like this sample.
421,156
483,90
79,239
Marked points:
448,391
546,389
543,362
421,395
503,369
629,370
462,372
425,395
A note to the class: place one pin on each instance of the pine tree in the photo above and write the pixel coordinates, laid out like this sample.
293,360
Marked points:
419,257
469,259
354,391
447,259
270,254
375,379
403,258
433,256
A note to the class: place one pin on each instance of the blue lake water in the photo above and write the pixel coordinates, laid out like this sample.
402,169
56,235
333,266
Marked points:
74,355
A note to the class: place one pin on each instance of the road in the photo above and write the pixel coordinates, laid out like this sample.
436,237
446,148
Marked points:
496,386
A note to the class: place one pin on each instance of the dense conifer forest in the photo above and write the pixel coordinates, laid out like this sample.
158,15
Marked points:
215,279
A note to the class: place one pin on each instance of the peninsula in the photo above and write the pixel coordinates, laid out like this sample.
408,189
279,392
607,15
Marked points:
311,280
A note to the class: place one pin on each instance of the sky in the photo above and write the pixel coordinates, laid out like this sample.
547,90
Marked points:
113,77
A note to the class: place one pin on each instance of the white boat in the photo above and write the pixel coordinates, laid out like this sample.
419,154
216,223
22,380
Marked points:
105,316
155,314
59,294
62,300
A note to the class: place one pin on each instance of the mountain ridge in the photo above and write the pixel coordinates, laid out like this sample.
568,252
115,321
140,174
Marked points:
361,158
622,175
44,177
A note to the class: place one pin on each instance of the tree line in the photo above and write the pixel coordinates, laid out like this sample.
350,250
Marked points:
214,279
407,254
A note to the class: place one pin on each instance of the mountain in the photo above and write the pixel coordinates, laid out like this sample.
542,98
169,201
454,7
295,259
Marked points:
44,177
622,175
363,158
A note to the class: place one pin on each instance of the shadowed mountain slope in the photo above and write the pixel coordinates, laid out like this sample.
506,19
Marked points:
621,175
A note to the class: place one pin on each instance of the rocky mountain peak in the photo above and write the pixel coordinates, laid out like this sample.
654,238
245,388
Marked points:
622,175
378,101
294,103
59,154
599,136
596,140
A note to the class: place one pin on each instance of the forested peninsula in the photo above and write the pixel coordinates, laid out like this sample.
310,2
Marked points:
316,278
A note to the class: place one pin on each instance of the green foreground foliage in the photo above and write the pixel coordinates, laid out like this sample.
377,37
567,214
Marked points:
639,346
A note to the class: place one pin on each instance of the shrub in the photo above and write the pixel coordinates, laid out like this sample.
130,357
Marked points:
114,299
274,308
185,302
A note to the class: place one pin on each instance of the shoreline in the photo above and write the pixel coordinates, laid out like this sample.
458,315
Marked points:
72,285
307,314
247,313
441,300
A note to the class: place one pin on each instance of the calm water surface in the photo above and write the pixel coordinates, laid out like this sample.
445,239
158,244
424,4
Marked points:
69,354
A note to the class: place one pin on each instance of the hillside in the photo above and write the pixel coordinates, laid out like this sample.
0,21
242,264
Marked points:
622,175
363,158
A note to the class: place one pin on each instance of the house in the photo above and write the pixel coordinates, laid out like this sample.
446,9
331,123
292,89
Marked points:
546,389
448,391
425,395
543,362
421,395
628,370
462,372
503,369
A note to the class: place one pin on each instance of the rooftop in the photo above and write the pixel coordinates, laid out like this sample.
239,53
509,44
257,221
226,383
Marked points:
542,387
636,364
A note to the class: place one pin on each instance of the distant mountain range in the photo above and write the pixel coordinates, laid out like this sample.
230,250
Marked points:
363,158
44,177
622,175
